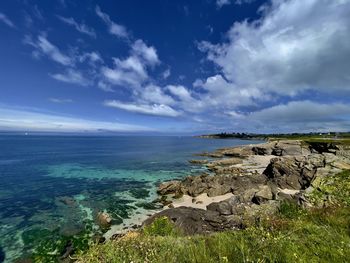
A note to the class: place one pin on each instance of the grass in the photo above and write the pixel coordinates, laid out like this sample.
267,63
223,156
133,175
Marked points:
292,235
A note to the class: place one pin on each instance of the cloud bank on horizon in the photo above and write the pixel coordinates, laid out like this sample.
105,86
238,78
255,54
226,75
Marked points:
279,66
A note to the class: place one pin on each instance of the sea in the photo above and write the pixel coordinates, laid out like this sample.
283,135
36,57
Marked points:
53,187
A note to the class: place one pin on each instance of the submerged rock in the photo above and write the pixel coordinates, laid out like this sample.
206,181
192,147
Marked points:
198,162
139,193
148,206
67,200
2,255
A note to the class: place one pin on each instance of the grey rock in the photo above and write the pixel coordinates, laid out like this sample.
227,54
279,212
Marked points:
290,173
170,187
225,207
192,221
264,194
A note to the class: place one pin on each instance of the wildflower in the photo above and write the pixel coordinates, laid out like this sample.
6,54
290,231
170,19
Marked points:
224,259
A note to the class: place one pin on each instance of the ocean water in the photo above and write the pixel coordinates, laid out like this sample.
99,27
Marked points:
52,187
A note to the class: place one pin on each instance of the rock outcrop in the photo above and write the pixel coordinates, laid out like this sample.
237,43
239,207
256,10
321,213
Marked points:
194,221
258,176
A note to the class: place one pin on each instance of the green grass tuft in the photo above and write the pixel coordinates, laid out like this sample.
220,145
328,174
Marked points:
162,226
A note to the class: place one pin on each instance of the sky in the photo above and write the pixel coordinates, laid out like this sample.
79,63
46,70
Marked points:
175,67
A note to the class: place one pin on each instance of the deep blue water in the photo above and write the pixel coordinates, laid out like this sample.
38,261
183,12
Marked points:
115,174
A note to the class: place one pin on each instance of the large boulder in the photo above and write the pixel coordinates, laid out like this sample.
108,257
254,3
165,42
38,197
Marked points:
288,147
104,219
170,187
260,150
290,173
323,147
241,151
192,221
226,207
263,195
241,184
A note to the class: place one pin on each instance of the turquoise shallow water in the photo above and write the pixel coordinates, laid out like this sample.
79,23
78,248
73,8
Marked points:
54,186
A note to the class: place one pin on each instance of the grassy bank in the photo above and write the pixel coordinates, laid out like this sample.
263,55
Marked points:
293,235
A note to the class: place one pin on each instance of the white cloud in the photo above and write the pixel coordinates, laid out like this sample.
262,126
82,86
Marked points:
297,46
154,94
37,13
148,53
82,28
114,28
300,116
221,3
221,94
128,72
58,100
24,120
71,76
154,109
104,86
304,112
132,71
45,47
235,114
166,74
92,57
6,20
180,92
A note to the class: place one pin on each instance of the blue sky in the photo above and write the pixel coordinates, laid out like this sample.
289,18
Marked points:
175,67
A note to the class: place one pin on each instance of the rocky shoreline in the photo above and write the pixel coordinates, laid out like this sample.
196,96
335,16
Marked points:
247,182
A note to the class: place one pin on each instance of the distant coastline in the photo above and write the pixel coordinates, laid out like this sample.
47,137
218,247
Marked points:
270,136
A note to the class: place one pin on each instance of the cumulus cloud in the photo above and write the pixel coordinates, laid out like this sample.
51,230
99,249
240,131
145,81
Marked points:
114,28
132,71
296,46
296,116
6,20
72,76
24,120
148,109
155,94
304,112
222,94
82,28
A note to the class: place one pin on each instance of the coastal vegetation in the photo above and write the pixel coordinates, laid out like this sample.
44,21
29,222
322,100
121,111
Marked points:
293,234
